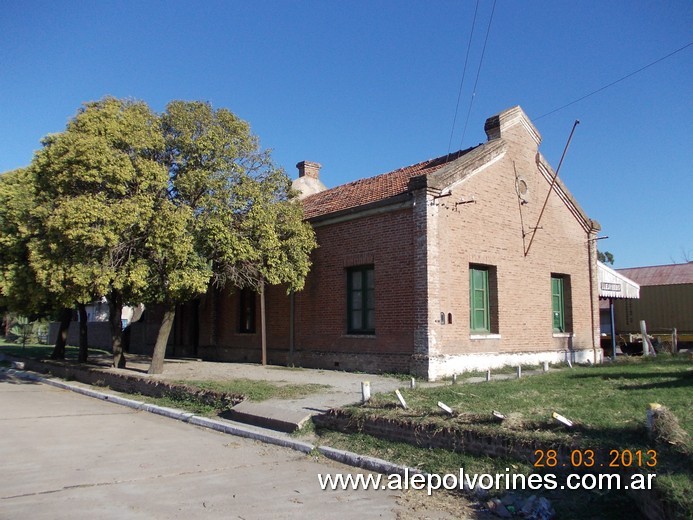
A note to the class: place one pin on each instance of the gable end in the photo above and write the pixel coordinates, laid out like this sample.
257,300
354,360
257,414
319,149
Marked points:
468,164
562,191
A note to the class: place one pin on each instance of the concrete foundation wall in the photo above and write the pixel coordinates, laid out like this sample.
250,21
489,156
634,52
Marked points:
445,366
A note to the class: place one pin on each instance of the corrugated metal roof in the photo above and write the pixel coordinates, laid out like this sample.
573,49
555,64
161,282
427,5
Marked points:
673,274
615,285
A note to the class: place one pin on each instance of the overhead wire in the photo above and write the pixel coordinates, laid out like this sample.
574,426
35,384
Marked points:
614,82
478,73
464,73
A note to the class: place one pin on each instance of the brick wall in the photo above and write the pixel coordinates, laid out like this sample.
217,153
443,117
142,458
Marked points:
495,230
129,383
385,241
421,252
220,335
320,338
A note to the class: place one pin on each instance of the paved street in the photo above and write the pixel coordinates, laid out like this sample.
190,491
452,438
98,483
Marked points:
64,455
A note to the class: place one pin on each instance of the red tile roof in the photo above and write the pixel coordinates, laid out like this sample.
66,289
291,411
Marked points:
673,274
372,189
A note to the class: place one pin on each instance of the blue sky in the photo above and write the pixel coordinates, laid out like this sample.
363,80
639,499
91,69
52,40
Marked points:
364,87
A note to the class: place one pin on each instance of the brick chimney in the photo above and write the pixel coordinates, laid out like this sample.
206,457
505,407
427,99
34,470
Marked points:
506,124
308,169
308,182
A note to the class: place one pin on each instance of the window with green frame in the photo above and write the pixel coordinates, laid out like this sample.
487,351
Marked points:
558,303
361,300
479,300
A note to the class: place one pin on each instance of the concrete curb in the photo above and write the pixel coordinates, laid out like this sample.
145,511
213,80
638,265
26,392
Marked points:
365,462
345,457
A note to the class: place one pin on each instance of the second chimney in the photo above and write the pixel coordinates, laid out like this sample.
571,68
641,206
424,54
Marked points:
308,169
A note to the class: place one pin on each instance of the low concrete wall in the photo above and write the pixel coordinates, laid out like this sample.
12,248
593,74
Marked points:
130,383
652,503
445,366
433,436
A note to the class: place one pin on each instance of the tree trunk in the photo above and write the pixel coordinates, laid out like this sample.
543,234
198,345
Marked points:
83,334
157,366
61,340
115,308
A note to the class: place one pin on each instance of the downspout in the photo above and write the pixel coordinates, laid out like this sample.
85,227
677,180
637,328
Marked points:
591,243
613,329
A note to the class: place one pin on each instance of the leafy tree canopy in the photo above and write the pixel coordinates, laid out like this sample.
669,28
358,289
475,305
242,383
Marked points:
143,207
605,257
19,289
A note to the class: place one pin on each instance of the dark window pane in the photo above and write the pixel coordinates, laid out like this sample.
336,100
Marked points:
361,300
356,280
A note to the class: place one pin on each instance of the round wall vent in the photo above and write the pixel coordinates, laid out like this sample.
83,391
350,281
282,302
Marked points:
522,188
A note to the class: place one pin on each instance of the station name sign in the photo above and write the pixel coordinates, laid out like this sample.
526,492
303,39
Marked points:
616,287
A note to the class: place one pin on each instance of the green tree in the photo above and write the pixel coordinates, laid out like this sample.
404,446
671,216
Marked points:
146,208
19,289
605,257
97,184
232,212
177,272
279,239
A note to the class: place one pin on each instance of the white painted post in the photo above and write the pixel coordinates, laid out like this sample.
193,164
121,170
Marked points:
413,383
488,375
562,419
519,371
401,399
645,339
454,379
546,366
365,391
445,408
674,341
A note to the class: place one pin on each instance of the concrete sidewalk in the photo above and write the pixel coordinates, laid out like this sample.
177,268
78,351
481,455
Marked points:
66,456
339,388
280,414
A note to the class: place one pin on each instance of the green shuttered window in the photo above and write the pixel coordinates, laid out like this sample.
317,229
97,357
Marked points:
479,304
558,303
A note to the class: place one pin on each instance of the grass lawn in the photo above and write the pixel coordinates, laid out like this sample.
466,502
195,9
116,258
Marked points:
257,390
38,351
607,403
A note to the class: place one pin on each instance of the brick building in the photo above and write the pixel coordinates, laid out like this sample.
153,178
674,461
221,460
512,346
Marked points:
432,269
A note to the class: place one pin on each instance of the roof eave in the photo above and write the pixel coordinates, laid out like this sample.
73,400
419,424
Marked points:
401,201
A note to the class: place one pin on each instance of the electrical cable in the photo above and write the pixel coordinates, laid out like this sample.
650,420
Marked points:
478,73
614,82
464,73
